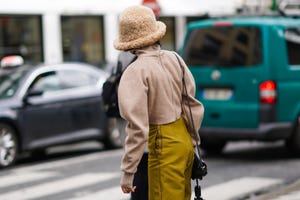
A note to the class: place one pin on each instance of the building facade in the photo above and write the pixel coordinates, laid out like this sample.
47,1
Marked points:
62,30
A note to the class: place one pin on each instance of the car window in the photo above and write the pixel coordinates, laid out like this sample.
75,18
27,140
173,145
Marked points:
76,78
292,36
10,82
47,82
224,46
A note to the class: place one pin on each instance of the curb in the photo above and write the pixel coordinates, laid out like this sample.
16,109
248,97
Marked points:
274,191
281,191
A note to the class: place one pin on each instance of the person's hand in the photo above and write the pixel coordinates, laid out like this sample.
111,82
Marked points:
127,189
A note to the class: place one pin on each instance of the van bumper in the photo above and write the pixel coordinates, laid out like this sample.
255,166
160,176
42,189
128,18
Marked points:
265,132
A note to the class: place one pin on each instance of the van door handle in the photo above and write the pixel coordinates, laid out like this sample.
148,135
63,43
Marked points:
215,115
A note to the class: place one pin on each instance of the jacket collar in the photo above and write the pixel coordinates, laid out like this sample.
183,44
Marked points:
152,50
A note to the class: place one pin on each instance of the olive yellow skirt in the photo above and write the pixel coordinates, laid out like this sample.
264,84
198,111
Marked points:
170,162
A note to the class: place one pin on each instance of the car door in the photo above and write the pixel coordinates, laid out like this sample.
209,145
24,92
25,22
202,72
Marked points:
46,113
84,98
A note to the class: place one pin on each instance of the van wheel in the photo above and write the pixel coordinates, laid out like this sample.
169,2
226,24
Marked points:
293,143
214,147
116,133
8,145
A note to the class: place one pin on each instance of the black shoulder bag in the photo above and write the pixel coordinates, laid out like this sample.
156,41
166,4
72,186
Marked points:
199,166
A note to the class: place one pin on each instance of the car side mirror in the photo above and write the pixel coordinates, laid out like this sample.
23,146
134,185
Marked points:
32,93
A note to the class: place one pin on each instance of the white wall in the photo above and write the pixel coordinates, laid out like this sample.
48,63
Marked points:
52,38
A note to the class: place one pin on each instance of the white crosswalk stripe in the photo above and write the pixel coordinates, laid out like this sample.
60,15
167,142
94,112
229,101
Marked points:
20,178
67,162
224,191
238,187
292,196
58,186
114,193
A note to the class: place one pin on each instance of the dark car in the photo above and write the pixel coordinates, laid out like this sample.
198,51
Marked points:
43,106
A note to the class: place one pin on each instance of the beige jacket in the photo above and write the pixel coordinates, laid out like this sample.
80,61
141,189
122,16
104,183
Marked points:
151,92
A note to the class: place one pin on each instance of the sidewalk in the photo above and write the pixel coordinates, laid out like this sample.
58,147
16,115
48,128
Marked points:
289,191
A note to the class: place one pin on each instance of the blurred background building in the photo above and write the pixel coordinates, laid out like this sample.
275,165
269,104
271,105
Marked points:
67,30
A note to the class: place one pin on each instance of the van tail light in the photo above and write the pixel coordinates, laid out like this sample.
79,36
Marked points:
268,93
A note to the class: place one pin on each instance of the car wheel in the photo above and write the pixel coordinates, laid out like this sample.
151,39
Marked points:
293,143
214,147
116,133
8,145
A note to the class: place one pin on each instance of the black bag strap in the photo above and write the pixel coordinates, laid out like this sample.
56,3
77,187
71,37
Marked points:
202,164
190,110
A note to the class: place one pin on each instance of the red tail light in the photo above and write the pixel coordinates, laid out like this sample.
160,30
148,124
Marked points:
267,91
222,23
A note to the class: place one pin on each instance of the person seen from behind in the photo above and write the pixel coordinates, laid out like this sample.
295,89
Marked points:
152,101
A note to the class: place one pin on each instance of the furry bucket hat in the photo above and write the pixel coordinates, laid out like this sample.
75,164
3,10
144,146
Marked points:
138,28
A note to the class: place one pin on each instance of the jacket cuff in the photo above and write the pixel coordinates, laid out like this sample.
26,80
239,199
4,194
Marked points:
127,179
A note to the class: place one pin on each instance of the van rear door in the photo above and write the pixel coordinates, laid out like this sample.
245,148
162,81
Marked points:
227,63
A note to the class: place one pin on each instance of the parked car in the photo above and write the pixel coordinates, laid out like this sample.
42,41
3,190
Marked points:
47,105
247,72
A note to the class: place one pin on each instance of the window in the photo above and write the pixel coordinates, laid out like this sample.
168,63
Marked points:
168,41
21,35
82,39
74,78
47,82
224,46
63,79
10,83
292,36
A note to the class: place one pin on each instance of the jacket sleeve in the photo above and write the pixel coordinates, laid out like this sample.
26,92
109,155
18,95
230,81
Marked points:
197,108
133,105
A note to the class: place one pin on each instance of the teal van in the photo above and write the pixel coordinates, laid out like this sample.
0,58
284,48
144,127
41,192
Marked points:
247,74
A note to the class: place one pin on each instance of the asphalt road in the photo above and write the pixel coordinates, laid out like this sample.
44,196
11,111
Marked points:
86,171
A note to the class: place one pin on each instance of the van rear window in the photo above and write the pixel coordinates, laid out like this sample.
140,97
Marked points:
292,36
226,46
